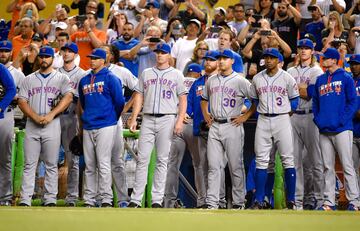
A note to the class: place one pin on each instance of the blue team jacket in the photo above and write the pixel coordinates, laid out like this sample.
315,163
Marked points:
102,101
193,103
356,121
334,102
8,84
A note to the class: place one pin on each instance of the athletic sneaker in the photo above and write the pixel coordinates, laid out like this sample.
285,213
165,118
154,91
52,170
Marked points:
352,207
327,208
133,205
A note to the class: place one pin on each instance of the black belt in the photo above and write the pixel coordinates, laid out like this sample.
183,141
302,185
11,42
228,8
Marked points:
303,112
158,115
272,115
223,121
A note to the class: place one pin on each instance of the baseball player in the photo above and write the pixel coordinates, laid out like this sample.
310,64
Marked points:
277,94
7,94
355,70
68,121
306,134
178,147
334,105
226,93
101,103
200,129
117,161
42,138
161,90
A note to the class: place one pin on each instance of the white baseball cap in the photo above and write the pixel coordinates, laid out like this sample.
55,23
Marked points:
197,22
220,10
61,25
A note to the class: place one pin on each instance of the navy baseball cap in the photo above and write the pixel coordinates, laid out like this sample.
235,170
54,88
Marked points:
98,53
354,59
212,54
163,47
46,51
71,46
5,45
226,53
272,52
37,37
306,43
153,3
331,53
311,37
194,67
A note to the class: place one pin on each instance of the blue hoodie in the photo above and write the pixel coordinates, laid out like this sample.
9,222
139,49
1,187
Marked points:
7,82
193,103
356,121
102,101
334,102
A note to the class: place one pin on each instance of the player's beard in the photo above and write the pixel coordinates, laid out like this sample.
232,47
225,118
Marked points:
45,65
4,60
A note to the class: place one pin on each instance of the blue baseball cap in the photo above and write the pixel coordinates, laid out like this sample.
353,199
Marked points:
153,3
354,59
71,46
98,53
46,51
272,52
6,45
281,58
226,53
194,67
331,53
212,54
306,43
163,47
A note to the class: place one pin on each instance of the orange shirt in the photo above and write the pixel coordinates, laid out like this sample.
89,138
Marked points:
82,39
18,42
16,15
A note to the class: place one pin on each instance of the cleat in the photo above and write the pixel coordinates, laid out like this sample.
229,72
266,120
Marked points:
257,205
70,204
352,207
156,206
238,207
106,205
24,204
133,205
291,205
123,204
86,205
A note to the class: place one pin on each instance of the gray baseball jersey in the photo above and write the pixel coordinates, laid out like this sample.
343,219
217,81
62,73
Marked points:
127,78
188,81
17,75
274,93
161,89
40,91
305,75
226,94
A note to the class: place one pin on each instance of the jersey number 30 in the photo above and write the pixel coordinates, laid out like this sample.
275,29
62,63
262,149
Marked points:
229,102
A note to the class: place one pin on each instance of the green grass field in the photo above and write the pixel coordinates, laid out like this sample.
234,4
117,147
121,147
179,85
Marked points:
89,219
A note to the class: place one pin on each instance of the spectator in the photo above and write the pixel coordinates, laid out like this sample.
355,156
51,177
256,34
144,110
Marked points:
124,45
192,12
316,26
165,7
183,48
239,18
287,27
114,26
198,55
127,7
88,38
14,7
150,18
229,14
330,5
352,15
24,38
144,51
175,30
84,7
334,30
265,8
305,15
27,57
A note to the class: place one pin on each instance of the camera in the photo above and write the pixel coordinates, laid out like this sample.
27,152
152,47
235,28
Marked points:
265,32
257,17
215,29
80,19
154,40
